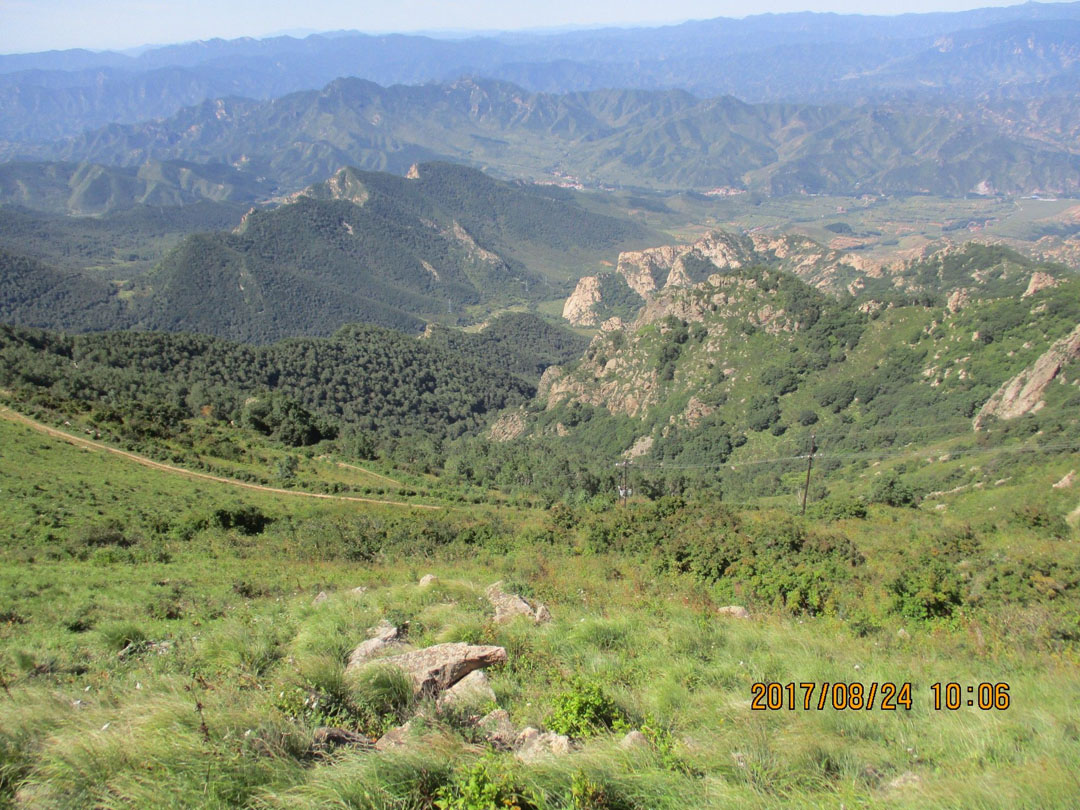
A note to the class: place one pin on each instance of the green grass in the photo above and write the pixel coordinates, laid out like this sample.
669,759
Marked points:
180,670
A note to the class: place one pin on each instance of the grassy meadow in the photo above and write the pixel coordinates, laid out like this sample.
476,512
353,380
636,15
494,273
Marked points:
162,645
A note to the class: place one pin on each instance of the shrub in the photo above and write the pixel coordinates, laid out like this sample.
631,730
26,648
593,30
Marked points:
892,490
928,589
485,785
583,710
247,519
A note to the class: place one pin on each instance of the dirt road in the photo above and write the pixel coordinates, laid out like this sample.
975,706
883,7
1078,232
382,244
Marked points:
79,441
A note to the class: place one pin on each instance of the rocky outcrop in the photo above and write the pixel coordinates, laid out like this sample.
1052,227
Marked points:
434,669
508,606
958,300
580,308
641,446
509,426
1023,394
647,270
472,247
1039,281
547,379
1066,481
651,271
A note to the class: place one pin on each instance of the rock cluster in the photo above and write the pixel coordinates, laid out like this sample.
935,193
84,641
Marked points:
453,675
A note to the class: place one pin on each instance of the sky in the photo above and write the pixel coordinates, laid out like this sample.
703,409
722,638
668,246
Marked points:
36,25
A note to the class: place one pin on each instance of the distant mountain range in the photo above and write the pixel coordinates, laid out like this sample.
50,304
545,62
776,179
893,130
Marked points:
612,138
1017,52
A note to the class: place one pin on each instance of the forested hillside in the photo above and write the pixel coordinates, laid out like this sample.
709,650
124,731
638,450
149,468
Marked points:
449,243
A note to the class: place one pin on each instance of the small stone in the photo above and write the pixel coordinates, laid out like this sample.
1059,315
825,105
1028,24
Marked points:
427,580
359,591
498,730
734,611
902,633
394,738
904,781
532,745
634,739
318,600
509,606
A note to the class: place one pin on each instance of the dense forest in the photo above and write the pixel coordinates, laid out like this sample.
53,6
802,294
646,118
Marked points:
363,378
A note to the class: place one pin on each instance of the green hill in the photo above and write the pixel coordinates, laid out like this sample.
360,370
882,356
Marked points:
448,243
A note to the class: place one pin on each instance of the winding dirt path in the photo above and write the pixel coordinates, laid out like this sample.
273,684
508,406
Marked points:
89,444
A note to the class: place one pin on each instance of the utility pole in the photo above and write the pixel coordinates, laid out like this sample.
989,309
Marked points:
809,466
624,489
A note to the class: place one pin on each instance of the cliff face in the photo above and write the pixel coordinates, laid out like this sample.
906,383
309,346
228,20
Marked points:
580,307
649,272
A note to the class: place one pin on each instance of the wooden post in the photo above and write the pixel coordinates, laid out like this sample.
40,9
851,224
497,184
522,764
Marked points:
809,466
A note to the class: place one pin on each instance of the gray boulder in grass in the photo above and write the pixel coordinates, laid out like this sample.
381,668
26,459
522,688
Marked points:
434,669
387,639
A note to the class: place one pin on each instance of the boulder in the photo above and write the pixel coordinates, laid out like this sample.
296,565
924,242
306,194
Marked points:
509,606
532,744
387,639
427,580
1039,281
497,729
320,598
472,690
434,669
634,739
734,611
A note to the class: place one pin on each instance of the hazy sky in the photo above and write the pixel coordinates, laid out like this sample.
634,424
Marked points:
34,25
